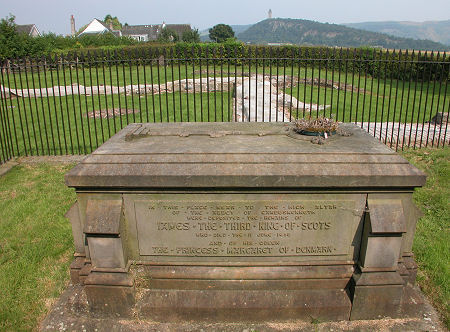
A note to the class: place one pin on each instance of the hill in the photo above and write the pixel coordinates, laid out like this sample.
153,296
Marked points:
240,28
305,32
438,31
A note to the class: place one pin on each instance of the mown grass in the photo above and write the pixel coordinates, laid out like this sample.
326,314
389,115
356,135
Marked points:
432,240
54,125
402,102
36,242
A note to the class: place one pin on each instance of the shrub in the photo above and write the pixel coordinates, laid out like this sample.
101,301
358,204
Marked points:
191,36
168,35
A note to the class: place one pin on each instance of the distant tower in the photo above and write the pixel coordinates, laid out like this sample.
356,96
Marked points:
270,13
72,26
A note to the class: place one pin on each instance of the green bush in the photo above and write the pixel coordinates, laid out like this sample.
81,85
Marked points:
375,63
191,36
168,35
15,45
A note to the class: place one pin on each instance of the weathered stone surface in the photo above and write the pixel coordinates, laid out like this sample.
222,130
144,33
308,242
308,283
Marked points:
106,252
381,251
245,272
245,221
282,277
245,305
376,302
384,226
110,293
109,279
376,295
77,233
84,272
75,268
70,312
236,227
103,216
117,301
386,216
411,266
413,302
236,155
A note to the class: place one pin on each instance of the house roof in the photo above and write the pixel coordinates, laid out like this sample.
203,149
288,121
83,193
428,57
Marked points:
153,30
150,30
25,28
95,26
179,28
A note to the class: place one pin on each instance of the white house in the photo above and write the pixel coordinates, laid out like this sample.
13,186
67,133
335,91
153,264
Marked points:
98,27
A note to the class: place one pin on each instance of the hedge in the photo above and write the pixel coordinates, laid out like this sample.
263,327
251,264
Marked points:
395,64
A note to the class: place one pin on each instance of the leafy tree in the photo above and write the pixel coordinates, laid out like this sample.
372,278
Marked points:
12,44
168,35
8,27
191,36
114,20
220,33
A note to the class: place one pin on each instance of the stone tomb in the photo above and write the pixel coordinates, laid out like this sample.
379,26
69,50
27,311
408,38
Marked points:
244,221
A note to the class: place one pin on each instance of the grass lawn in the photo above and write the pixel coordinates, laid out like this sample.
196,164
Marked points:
54,125
432,241
387,101
36,243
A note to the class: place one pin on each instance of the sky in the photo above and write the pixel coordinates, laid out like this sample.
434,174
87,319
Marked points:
54,15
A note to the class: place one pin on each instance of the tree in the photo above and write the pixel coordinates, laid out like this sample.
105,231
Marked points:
168,35
8,27
114,20
12,44
191,36
220,33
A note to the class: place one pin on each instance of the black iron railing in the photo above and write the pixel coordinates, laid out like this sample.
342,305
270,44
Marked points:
72,104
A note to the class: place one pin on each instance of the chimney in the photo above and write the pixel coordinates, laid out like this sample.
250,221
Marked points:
72,26
111,26
270,13
163,25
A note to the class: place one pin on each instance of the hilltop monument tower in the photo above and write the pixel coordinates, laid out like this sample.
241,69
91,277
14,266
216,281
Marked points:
270,13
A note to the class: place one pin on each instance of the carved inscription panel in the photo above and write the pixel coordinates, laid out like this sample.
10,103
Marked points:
288,227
